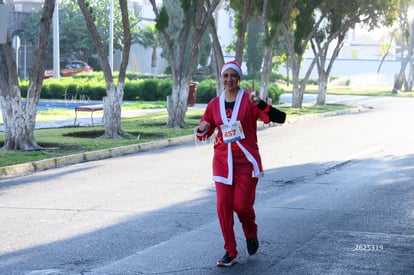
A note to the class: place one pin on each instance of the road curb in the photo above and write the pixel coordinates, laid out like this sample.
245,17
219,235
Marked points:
35,166
356,110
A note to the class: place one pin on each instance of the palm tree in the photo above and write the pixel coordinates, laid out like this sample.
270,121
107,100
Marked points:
149,38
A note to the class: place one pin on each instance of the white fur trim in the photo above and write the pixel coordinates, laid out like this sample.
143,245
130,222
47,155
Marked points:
231,66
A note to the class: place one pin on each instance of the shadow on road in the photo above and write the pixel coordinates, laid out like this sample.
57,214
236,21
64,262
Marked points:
375,178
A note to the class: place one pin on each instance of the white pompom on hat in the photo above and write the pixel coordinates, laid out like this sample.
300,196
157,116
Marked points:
232,65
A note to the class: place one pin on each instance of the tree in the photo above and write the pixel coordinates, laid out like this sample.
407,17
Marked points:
406,46
205,50
303,24
272,14
74,39
192,22
333,29
112,102
323,22
254,45
340,16
72,28
20,119
406,60
243,10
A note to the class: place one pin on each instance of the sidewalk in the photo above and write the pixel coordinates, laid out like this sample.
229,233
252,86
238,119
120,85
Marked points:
85,120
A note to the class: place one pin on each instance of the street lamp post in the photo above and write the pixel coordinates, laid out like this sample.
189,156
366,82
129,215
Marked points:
111,34
56,45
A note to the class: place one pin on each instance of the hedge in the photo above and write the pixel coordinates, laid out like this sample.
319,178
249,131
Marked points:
86,87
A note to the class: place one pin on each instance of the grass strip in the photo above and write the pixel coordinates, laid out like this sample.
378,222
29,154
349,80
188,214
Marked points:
143,128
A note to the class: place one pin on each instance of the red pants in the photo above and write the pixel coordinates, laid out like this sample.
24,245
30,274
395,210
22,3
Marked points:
238,198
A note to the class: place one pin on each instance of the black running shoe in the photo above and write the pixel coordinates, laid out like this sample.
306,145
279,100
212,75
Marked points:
227,260
252,245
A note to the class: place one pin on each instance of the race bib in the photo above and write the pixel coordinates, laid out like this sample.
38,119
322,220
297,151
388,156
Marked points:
232,132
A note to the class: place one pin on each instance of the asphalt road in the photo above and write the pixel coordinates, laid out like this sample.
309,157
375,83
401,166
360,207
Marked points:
337,198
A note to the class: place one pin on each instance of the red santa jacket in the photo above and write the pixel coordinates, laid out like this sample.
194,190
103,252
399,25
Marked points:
248,114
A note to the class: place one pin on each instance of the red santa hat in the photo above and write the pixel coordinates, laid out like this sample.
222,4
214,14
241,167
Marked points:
232,65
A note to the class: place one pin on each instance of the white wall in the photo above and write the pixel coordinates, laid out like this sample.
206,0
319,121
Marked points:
358,70
140,60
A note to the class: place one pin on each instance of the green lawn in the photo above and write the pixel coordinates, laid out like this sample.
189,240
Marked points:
70,140
347,90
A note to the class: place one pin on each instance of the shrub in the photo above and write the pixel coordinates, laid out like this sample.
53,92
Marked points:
94,90
85,87
274,93
53,89
206,90
149,89
130,90
24,85
164,88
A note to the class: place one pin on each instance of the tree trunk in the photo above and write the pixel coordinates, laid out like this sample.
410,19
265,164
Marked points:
177,105
113,101
409,81
18,128
410,78
387,51
244,18
19,120
112,114
266,70
322,86
297,97
154,61
299,86
218,58
181,57
323,71
320,58
400,78
295,61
